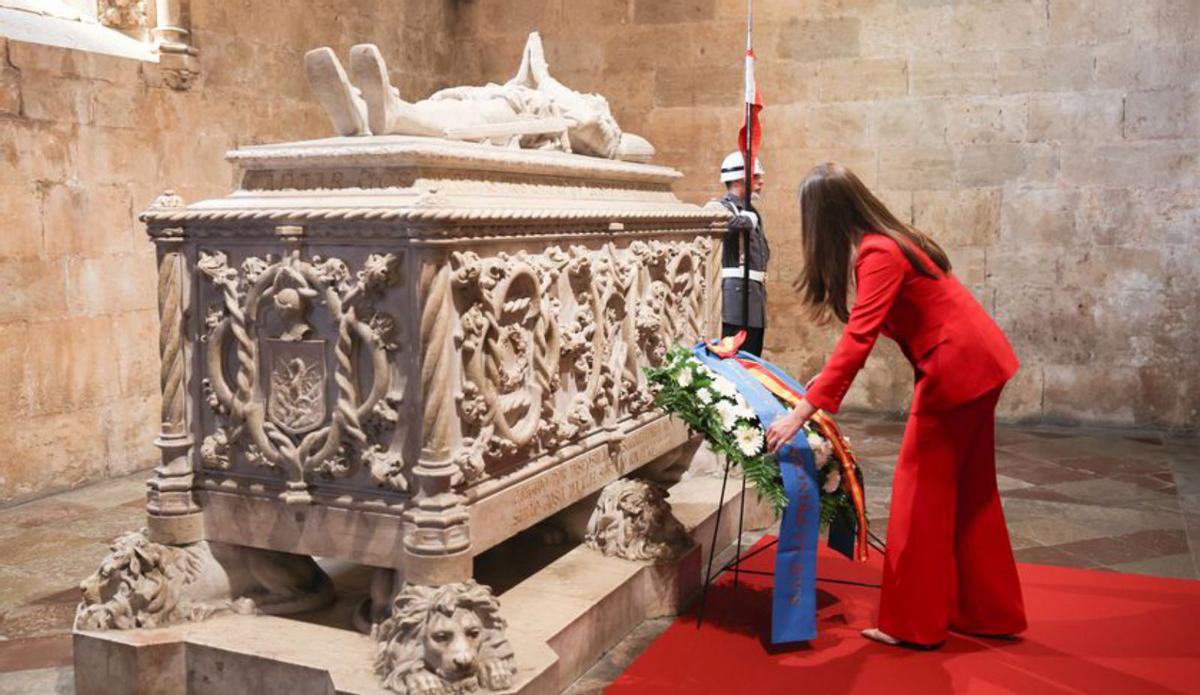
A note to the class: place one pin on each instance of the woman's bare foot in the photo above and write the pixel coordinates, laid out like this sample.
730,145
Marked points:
874,633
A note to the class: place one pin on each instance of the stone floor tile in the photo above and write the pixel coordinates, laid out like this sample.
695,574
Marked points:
1047,555
43,681
1052,531
106,524
38,619
1103,491
1007,484
1108,551
36,543
64,568
111,493
1182,566
35,653
1019,541
18,588
1159,541
41,513
1034,492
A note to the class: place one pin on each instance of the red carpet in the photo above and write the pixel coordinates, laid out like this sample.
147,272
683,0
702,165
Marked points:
1090,632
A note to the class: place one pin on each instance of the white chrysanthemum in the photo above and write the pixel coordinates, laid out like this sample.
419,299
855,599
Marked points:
749,439
724,386
820,448
832,481
729,415
743,410
705,396
684,377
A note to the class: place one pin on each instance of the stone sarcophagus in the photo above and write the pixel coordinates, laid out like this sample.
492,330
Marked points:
402,350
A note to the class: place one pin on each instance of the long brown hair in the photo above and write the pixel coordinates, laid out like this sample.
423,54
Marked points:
836,211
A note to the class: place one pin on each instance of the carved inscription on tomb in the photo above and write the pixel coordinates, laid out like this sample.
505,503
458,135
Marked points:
650,442
265,180
533,500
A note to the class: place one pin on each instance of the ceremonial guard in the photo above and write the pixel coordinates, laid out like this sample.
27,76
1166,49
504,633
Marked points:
734,258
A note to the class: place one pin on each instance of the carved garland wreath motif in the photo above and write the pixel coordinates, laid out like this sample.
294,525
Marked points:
518,335
290,431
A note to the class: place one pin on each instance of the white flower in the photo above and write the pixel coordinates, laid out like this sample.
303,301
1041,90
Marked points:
749,439
821,449
832,480
743,410
725,387
704,396
729,415
684,377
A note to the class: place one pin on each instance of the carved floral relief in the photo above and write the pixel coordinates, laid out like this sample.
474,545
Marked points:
552,344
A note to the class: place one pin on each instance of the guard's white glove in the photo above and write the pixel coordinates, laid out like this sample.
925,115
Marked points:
743,221
750,216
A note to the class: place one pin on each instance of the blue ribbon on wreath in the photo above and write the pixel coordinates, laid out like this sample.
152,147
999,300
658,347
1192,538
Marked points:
794,598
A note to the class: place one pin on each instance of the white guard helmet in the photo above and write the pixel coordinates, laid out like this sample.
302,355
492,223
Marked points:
733,168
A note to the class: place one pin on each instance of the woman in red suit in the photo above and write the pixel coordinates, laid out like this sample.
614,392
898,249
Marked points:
948,564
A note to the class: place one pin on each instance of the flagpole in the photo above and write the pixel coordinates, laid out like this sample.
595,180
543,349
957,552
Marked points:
749,185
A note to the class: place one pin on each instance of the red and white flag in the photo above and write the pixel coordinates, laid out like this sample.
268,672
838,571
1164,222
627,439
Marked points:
753,102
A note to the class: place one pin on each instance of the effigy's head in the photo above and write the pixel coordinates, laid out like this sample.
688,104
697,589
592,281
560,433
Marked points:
594,130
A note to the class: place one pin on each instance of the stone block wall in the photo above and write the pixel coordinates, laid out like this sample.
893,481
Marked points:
86,143
1051,146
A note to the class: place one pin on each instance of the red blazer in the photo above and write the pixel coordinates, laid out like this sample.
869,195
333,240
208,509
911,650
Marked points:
957,351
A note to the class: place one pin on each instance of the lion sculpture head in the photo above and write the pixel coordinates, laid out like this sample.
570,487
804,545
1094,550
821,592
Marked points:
633,520
444,639
141,583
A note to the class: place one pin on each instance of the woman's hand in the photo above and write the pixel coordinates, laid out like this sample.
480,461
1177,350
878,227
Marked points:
786,427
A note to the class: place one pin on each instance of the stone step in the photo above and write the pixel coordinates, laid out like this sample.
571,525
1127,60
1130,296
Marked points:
561,620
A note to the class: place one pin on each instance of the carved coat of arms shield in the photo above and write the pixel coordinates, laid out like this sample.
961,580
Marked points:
296,396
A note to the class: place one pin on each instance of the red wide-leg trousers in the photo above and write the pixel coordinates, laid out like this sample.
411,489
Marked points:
949,563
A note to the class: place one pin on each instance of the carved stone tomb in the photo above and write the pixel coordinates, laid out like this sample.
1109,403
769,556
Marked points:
401,351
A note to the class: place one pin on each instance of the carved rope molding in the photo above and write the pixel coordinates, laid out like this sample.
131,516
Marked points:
294,439
423,215
170,342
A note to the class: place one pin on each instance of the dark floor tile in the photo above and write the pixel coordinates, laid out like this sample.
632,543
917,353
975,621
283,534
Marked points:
1152,440
1039,493
1040,473
1117,550
37,652
1151,481
37,620
1159,542
68,596
42,512
1040,434
1050,555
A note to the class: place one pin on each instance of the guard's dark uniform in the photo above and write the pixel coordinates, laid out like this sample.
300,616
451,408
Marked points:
732,279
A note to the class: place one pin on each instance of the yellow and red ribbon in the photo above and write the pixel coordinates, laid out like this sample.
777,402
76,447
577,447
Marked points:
727,348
